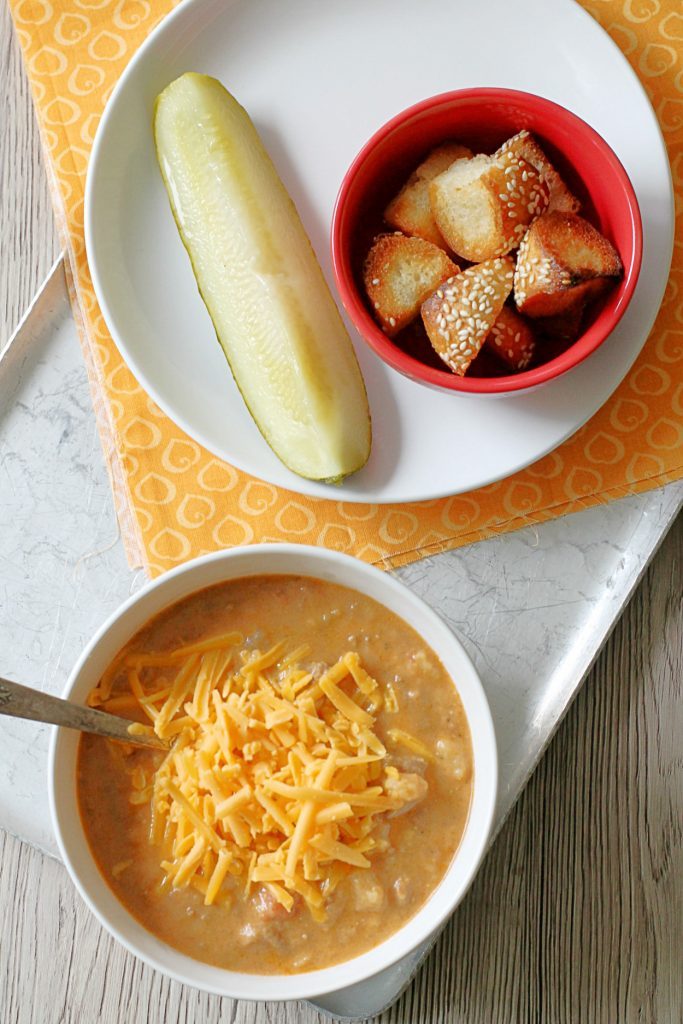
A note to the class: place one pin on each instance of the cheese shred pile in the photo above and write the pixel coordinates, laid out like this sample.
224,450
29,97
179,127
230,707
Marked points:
275,775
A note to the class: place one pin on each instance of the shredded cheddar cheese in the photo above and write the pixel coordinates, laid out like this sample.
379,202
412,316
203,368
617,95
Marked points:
273,777
411,743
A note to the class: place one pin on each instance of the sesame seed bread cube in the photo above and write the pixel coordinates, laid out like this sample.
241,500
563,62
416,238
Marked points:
399,273
441,158
526,146
566,327
562,263
410,211
483,206
512,339
461,312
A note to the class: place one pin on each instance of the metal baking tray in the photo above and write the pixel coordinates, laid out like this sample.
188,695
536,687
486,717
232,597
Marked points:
532,607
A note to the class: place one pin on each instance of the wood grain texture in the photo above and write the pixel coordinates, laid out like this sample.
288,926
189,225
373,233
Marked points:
28,239
575,916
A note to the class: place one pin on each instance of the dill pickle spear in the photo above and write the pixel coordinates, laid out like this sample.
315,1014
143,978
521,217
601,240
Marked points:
274,316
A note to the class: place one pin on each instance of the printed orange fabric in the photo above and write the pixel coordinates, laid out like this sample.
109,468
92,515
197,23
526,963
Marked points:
174,500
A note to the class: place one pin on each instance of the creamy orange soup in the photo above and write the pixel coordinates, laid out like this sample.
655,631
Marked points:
196,891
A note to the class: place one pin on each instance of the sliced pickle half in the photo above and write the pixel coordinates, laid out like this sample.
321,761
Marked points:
274,316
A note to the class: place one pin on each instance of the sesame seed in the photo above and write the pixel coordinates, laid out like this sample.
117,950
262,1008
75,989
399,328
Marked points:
392,321
375,280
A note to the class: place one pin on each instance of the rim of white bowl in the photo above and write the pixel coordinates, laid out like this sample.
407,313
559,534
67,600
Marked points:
307,561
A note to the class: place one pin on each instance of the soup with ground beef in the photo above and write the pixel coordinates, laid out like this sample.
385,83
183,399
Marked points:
316,782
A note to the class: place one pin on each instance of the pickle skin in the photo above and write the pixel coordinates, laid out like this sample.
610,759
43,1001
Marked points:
273,314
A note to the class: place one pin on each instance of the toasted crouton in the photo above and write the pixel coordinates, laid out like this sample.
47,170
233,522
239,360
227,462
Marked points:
512,339
399,273
563,262
462,311
525,145
564,328
409,211
483,206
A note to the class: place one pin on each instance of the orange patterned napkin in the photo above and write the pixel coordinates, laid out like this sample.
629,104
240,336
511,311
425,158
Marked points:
174,500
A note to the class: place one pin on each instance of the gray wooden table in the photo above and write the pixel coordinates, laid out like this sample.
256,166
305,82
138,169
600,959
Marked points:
576,915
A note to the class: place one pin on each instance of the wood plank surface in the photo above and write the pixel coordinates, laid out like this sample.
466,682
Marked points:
28,239
576,917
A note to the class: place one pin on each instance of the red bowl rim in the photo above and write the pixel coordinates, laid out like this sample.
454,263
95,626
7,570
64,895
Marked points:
406,364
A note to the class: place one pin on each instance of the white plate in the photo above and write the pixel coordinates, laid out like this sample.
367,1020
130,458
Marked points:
318,77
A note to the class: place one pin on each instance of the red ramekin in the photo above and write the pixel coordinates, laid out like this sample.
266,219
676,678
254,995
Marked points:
482,119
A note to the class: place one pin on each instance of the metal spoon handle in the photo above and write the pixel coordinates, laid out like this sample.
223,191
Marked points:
23,702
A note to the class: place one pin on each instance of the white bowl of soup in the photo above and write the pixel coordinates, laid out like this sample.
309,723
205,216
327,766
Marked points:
328,788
